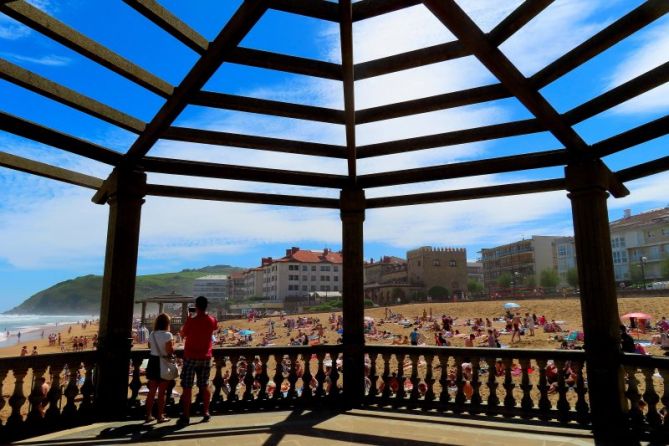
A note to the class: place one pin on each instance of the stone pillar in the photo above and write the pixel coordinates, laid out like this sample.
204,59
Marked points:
160,308
353,217
587,183
124,191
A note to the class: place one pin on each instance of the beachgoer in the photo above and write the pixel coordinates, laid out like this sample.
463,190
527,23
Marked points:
414,336
24,351
197,359
529,323
160,342
516,327
626,341
34,352
43,393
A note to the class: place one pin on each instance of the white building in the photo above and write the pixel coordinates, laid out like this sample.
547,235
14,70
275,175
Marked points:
636,239
214,286
301,272
565,257
253,282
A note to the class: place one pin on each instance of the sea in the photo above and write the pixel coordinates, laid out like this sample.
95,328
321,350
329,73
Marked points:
31,325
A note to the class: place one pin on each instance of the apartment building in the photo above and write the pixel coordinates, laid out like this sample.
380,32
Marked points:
564,252
475,271
236,286
213,287
521,258
301,272
446,267
637,239
253,283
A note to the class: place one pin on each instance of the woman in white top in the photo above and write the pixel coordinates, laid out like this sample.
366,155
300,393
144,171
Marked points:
160,342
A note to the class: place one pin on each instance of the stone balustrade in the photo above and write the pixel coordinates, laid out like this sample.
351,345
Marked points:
545,385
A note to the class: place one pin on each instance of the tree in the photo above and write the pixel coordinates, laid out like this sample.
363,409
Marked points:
572,277
418,296
549,278
530,281
437,292
474,286
504,280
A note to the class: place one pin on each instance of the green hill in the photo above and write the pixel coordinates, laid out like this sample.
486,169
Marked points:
82,295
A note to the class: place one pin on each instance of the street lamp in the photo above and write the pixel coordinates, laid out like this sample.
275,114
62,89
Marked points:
643,261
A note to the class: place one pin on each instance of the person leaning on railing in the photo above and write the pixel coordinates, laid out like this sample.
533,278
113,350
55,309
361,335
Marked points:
161,344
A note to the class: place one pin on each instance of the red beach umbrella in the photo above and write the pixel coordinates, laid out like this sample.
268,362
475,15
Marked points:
637,315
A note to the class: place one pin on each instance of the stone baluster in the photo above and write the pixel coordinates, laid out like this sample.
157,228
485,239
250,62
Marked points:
36,397
248,380
544,403
509,385
373,377
71,392
292,377
414,395
307,393
3,375
475,403
385,394
651,398
217,394
17,399
263,378
526,402
562,404
87,393
135,382
429,377
444,396
633,395
278,377
320,376
492,407
460,397
582,407
55,394
233,380
334,378
399,395
665,398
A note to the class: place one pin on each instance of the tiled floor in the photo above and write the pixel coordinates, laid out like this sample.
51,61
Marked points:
371,427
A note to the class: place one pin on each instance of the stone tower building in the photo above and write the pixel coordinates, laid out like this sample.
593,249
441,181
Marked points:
446,267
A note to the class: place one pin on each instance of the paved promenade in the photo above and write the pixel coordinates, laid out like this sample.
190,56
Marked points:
370,427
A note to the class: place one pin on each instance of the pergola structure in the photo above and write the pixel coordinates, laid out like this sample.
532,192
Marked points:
587,178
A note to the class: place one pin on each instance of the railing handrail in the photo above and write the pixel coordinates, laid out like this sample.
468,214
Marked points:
636,359
578,355
46,359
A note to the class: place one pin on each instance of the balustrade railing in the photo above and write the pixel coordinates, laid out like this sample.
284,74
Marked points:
548,385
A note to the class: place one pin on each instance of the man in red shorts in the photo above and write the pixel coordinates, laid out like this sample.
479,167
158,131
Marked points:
197,358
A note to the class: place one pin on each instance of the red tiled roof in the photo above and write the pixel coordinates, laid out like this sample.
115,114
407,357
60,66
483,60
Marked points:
304,256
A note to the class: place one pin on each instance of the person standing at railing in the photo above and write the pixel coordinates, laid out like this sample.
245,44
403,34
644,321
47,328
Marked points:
160,342
197,358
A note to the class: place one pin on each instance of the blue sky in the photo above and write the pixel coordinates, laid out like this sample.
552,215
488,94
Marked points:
51,232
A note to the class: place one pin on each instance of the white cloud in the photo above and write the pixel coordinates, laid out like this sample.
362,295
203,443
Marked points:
50,60
651,49
13,30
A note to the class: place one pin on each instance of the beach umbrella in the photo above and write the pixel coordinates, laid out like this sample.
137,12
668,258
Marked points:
637,315
511,305
246,332
369,319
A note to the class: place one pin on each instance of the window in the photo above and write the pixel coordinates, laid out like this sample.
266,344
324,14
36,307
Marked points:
322,287
325,268
325,278
313,278
313,287
436,262
305,268
336,278
562,251
452,263
305,288
336,288
313,267
336,268
305,278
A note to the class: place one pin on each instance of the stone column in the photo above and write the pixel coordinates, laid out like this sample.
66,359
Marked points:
124,191
587,183
353,217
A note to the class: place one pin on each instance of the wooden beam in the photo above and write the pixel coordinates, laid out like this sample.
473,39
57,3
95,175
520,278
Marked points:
241,197
627,25
616,96
242,173
452,138
170,23
282,62
432,103
33,18
267,107
459,23
232,33
466,169
348,77
45,170
253,142
501,190
317,9
644,169
450,50
366,9
28,129
633,137
52,90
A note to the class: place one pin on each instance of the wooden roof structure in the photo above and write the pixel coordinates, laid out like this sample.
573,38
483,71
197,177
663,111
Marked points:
471,40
